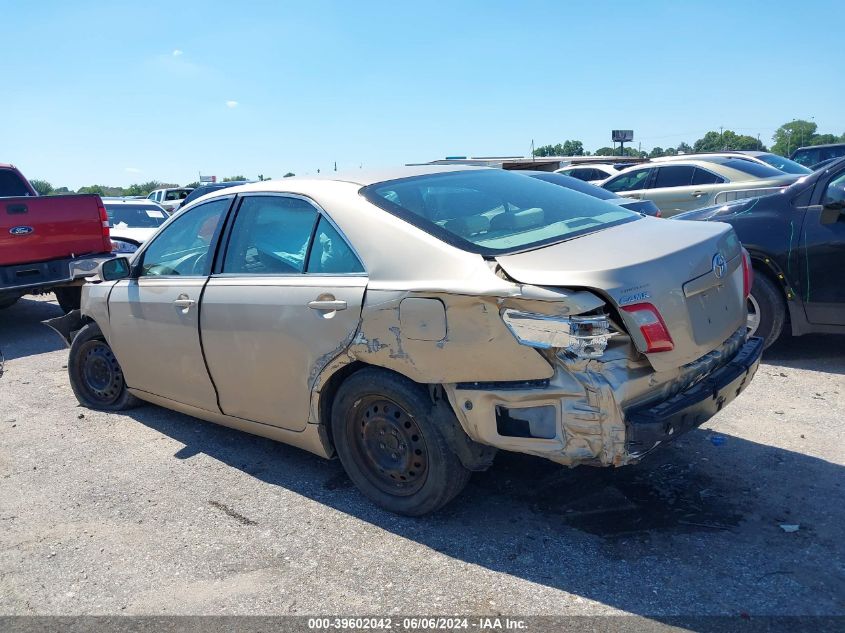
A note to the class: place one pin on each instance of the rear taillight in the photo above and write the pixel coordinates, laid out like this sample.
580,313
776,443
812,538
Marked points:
747,274
651,326
659,214
104,221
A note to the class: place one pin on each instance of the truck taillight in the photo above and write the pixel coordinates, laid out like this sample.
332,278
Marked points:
747,274
104,221
651,326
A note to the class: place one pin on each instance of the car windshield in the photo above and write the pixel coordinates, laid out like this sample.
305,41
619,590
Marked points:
135,216
784,164
751,168
494,212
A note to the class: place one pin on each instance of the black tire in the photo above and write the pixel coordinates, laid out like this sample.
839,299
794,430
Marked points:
95,375
771,309
69,297
390,442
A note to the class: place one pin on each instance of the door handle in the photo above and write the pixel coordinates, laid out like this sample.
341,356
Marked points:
183,302
328,305
697,194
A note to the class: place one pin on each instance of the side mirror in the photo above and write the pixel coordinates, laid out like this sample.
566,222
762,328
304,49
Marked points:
114,269
832,212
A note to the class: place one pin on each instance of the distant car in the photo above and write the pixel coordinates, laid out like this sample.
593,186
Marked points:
208,188
797,244
170,199
593,172
132,222
780,163
815,154
684,185
646,207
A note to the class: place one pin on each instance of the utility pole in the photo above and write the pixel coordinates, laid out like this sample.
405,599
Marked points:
721,137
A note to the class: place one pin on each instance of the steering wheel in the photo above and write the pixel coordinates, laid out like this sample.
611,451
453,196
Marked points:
199,264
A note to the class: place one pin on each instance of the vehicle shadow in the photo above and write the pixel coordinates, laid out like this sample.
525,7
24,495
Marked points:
816,352
694,529
23,334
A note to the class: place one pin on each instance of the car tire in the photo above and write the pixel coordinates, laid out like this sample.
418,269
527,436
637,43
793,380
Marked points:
95,375
69,297
766,310
389,438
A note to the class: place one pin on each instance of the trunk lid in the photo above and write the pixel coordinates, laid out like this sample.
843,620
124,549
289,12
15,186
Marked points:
668,264
42,228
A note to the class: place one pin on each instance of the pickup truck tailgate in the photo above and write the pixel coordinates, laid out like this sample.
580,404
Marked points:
39,229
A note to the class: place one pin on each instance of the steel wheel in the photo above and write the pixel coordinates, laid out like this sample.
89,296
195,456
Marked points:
389,446
753,321
102,377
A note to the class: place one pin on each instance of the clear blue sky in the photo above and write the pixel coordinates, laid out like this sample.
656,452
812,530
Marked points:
112,93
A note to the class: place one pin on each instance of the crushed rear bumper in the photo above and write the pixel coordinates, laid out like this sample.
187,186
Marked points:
649,426
24,278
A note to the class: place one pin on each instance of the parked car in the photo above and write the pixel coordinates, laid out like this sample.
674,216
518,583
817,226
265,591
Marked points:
815,154
414,321
170,199
208,188
646,207
797,244
688,184
780,163
47,243
593,173
132,222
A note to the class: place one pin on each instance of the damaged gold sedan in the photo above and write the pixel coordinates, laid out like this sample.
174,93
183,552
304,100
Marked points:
414,322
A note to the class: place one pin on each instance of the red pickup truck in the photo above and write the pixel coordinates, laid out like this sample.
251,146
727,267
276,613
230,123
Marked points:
48,243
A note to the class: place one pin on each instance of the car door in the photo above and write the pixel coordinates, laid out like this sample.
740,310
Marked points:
154,315
670,189
283,302
823,251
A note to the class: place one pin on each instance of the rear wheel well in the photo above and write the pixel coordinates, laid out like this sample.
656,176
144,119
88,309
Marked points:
760,267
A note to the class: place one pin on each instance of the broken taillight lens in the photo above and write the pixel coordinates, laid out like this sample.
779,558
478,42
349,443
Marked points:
747,274
651,326
580,336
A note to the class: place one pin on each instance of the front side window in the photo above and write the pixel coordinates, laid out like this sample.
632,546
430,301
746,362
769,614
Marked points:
330,254
492,211
629,181
270,236
673,176
834,193
184,247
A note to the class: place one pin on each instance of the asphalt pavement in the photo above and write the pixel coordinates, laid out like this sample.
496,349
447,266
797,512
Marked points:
154,512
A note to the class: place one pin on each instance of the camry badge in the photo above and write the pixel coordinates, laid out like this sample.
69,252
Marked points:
21,230
720,266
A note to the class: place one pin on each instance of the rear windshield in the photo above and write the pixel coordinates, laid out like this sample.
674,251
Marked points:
493,212
753,169
135,216
177,194
784,164
12,185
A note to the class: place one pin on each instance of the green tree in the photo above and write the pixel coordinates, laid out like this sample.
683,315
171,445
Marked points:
567,148
792,135
59,191
726,140
289,174
234,178
656,152
824,139
43,187
604,151
98,189
193,185
683,148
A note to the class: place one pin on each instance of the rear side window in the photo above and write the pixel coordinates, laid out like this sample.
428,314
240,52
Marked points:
673,176
705,177
629,181
270,236
330,254
12,185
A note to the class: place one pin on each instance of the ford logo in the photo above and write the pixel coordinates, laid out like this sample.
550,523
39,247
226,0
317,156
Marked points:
720,266
21,230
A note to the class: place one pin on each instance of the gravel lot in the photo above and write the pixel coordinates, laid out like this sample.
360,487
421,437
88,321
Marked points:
154,512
